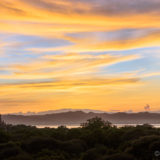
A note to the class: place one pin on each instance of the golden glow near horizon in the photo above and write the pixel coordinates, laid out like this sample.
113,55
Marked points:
99,54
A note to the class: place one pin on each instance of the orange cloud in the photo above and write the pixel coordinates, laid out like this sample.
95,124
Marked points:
73,79
46,18
65,65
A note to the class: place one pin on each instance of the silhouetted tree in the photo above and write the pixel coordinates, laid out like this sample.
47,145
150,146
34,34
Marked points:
96,123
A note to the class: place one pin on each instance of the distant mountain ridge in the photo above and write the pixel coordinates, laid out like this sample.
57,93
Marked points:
58,111
78,117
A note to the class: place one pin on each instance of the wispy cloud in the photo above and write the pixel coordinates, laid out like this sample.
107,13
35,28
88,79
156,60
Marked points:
65,65
78,53
49,17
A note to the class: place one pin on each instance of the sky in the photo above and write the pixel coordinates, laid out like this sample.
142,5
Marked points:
94,54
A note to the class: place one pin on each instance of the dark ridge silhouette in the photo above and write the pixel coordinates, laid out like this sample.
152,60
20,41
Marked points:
78,117
59,111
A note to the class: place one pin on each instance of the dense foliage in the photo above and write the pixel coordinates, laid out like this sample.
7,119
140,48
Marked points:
94,140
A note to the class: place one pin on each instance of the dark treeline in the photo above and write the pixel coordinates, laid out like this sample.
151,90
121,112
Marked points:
94,140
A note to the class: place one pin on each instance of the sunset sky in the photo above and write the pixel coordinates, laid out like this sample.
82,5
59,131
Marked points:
94,54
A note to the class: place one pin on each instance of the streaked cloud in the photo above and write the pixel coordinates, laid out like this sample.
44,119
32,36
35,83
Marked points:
85,45
65,65
101,54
